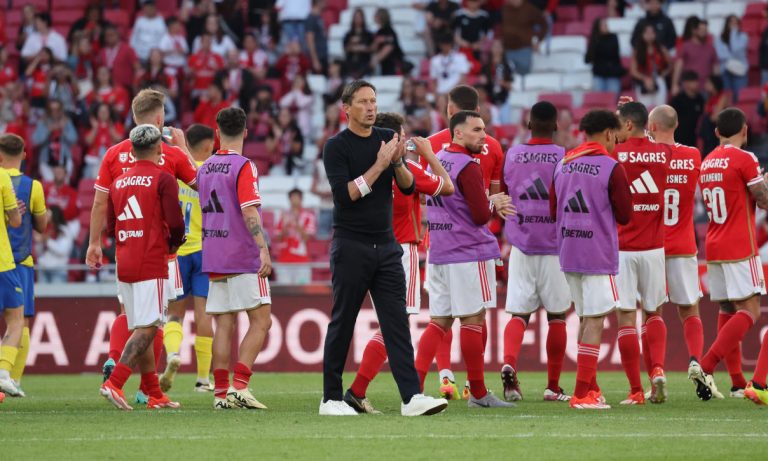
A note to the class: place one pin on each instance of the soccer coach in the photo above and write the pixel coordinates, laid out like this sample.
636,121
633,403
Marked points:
361,163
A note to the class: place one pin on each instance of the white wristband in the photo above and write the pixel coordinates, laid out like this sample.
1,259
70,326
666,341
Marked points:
362,186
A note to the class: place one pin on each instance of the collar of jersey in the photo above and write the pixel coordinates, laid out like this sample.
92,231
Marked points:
588,148
226,152
539,141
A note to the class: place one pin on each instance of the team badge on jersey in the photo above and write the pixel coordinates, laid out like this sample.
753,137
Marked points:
123,157
622,157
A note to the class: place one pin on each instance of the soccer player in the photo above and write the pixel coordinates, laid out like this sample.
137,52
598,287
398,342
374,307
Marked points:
11,294
236,259
200,140
641,253
30,192
732,184
144,217
682,267
462,257
535,278
589,197
147,108
491,158
406,215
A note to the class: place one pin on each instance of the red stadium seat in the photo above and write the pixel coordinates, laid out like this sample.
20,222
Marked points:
754,10
330,17
119,18
268,219
13,19
568,13
321,274
592,12
578,113
338,5
318,250
40,5
750,95
578,28
256,151
560,100
66,17
752,26
599,100
506,134
558,28
262,166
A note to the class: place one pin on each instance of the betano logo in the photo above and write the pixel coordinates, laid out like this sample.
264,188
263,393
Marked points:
132,210
644,184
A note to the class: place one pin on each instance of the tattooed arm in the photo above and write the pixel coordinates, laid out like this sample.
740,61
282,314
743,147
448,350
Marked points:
759,192
253,223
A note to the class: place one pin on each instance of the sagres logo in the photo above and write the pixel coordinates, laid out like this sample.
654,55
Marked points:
644,184
576,204
535,190
132,210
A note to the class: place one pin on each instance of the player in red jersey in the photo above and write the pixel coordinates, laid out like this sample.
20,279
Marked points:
732,184
144,216
148,108
464,97
641,252
406,215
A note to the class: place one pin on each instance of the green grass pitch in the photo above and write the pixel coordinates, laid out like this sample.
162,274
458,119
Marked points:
63,417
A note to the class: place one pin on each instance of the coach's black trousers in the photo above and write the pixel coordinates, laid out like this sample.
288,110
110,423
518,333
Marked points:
356,269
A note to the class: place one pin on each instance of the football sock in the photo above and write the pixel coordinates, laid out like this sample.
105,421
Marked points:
657,339
761,369
241,376
513,340
203,353
557,340
443,354
8,357
173,335
728,339
157,346
21,357
586,369
630,357
593,386
428,344
485,333
374,356
693,330
151,385
118,336
120,375
220,382
733,357
646,350
471,339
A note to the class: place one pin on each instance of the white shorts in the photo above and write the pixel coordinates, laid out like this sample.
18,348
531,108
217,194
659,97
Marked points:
412,277
683,285
241,292
536,280
593,295
145,302
175,286
736,281
641,278
461,289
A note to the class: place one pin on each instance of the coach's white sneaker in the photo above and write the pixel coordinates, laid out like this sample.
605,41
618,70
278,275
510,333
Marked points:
336,408
244,399
6,384
166,379
423,405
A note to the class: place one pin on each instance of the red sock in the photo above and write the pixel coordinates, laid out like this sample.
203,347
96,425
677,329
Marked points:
120,375
220,382
374,356
430,340
513,339
646,350
586,369
733,357
241,376
157,346
151,385
472,350
118,336
557,340
485,333
728,339
443,354
629,349
693,330
761,369
657,339
593,386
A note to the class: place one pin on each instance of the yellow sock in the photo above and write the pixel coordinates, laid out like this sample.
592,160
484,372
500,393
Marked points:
203,352
8,357
173,335
21,358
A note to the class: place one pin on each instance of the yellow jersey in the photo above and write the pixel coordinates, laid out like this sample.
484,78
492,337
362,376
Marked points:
193,218
7,203
36,205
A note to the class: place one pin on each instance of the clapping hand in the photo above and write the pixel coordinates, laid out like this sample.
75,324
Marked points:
503,205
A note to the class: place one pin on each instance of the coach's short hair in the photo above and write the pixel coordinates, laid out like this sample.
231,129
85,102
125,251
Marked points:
464,97
143,139
597,121
390,120
543,117
197,133
231,121
351,88
730,121
461,117
147,102
636,112
11,145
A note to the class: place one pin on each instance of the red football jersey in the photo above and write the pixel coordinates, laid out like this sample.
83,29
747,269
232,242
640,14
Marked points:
144,217
203,68
726,174
491,158
646,164
118,159
679,201
406,209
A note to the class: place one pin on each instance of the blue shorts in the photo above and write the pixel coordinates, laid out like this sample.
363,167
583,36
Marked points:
11,293
27,279
192,276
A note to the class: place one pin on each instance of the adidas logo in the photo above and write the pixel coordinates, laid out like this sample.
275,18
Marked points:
213,205
132,210
576,204
536,191
644,184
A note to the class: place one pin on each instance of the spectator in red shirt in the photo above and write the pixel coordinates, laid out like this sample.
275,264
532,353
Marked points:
154,74
105,91
37,78
291,64
7,72
118,57
253,58
104,133
203,66
92,25
295,228
59,193
210,104
82,61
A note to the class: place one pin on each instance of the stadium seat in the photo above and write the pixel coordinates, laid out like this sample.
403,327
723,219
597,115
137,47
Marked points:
685,9
566,43
578,28
387,84
522,99
592,12
338,5
577,81
578,113
13,19
268,219
621,25
321,274
257,151
316,83
118,17
559,100
318,249
625,44
752,26
505,134
724,9
754,10
750,94
716,25
634,11
74,5
40,5
330,17
549,81
568,13
599,100
66,17
337,32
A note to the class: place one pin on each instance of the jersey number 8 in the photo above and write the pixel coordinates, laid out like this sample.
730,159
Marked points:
714,199
671,207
